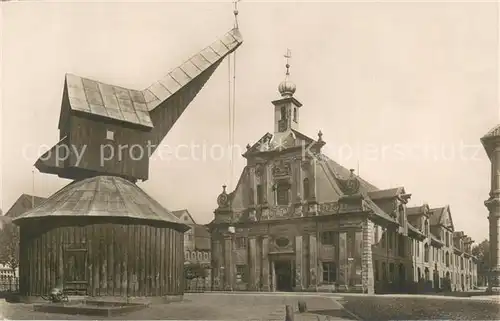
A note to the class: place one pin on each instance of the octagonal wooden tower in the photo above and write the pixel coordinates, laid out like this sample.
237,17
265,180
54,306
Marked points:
102,235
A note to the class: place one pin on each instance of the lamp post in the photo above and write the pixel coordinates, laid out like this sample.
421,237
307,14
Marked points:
348,283
223,278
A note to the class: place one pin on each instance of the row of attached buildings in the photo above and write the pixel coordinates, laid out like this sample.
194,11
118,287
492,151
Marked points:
299,221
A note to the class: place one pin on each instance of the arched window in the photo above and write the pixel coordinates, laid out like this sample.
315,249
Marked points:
187,256
426,227
447,259
426,253
295,114
306,188
250,196
283,112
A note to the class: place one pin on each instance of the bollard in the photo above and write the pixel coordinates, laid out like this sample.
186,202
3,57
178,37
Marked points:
302,306
288,313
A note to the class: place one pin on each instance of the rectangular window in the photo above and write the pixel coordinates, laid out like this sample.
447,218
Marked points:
305,187
375,270
260,194
401,245
110,135
328,238
329,272
282,194
241,275
241,243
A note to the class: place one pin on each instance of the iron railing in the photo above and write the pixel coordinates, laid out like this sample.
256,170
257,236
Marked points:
9,284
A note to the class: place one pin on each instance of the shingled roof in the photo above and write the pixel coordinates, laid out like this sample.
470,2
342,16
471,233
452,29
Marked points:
102,196
133,106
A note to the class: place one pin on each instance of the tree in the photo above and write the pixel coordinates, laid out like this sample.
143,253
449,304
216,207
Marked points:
482,252
9,244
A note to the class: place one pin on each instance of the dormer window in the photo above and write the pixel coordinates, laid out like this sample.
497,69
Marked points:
110,135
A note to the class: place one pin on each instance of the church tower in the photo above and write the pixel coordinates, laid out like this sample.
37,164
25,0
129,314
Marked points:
286,109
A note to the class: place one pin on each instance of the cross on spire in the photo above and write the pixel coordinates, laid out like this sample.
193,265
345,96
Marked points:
288,55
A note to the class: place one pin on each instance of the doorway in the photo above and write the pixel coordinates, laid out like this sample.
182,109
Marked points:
284,275
75,268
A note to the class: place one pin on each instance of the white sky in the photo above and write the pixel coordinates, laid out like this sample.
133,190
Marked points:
399,87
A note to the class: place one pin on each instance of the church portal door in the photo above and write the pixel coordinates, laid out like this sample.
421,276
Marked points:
284,275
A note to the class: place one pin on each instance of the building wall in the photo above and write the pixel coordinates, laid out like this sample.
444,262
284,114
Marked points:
102,259
113,157
246,259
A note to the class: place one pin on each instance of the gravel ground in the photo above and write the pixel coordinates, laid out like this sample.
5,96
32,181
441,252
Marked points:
417,308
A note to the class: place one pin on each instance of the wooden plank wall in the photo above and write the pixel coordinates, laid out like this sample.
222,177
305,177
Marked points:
121,159
122,260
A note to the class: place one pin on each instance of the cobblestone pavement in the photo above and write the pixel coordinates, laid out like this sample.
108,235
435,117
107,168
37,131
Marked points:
208,306
271,306
420,308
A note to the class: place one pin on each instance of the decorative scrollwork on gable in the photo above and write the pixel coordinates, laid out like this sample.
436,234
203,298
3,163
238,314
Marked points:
259,170
329,208
350,185
282,168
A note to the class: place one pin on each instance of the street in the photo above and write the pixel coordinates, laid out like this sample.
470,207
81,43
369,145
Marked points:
271,306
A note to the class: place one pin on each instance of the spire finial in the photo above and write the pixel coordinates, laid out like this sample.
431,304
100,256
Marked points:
288,55
235,12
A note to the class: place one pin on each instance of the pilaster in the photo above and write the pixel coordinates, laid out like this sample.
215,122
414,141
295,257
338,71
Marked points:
217,260
367,259
298,187
493,205
343,269
299,263
265,264
253,188
254,274
313,205
313,263
228,263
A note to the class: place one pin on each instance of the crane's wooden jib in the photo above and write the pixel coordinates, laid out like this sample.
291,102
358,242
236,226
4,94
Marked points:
97,119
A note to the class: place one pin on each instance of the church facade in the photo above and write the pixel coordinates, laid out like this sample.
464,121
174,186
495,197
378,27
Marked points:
299,221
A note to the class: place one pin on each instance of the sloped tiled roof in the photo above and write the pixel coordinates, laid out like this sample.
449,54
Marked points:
133,106
415,230
436,215
102,196
202,240
415,210
386,193
179,213
24,203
